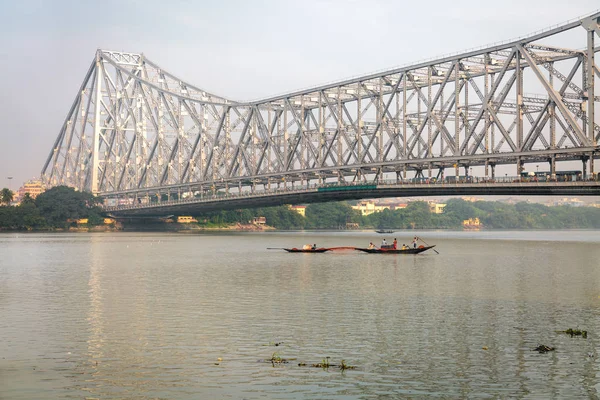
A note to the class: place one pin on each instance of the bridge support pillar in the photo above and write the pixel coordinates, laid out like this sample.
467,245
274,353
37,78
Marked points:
584,166
592,165
553,166
493,167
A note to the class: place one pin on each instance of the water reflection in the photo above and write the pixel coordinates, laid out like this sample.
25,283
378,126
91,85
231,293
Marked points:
179,316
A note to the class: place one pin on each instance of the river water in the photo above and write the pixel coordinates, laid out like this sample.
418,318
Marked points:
198,316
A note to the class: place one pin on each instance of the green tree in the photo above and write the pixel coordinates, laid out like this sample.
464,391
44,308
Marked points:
332,215
8,218
61,203
28,216
460,209
6,196
27,199
420,216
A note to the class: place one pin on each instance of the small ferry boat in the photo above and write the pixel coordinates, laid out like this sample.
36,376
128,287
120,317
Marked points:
386,250
296,250
384,231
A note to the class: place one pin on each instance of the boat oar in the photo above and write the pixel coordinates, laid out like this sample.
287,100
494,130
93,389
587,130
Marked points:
427,244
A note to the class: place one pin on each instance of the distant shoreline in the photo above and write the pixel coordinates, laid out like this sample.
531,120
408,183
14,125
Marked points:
234,228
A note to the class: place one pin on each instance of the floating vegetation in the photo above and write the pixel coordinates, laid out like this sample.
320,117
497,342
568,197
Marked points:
276,359
273,344
325,364
344,366
574,332
543,348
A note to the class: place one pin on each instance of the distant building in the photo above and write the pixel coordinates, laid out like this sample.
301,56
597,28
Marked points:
299,209
186,219
259,220
472,224
574,202
369,207
437,208
471,199
33,187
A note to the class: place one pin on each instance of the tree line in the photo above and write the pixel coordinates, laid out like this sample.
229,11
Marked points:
417,215
58,207
54,209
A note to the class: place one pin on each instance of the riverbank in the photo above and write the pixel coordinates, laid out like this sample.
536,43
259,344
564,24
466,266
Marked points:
175,227
150,227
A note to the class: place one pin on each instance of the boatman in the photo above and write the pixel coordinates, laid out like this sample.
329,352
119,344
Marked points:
415,242
383,242
395,244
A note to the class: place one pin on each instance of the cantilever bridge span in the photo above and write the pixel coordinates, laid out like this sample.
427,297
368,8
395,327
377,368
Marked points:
135,131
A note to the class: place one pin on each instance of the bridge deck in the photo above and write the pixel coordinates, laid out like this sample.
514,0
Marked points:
324,193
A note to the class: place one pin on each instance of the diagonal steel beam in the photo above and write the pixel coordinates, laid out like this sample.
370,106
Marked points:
393,93
555,96
486,106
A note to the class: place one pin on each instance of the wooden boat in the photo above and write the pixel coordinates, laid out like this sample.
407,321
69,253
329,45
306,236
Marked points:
384,231
410,250
296,250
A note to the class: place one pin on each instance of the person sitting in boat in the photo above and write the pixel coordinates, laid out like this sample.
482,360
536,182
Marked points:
314,246
395,244
383,243
404,247
371,245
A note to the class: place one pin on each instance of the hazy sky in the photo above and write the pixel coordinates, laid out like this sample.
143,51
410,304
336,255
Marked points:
239,49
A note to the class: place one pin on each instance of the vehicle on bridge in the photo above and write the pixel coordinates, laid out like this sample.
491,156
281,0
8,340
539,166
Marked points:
458,179
423,180
545,176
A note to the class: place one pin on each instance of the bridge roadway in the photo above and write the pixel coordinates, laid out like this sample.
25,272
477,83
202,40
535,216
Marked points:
336,192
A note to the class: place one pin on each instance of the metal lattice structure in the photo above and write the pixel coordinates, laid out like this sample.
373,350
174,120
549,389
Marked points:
136,129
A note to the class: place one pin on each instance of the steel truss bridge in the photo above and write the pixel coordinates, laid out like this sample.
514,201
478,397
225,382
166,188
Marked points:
150,143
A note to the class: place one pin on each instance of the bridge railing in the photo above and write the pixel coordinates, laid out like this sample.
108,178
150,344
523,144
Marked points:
209,197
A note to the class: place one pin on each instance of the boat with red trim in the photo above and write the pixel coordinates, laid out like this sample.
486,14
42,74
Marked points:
391,250
311,250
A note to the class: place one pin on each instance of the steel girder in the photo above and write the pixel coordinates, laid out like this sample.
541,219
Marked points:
135,128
